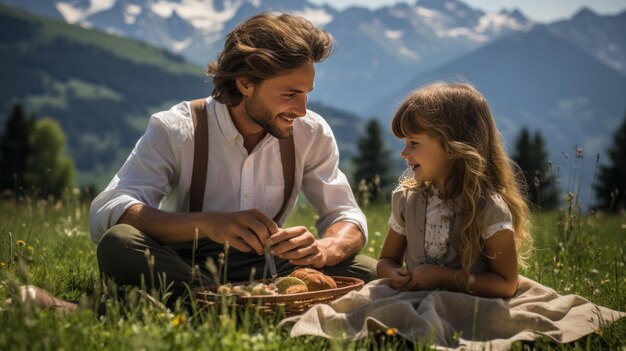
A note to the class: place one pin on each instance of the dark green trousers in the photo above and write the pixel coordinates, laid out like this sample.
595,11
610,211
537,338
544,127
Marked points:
121,256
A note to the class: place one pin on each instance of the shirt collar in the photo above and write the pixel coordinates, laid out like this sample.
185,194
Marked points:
228,128
225,123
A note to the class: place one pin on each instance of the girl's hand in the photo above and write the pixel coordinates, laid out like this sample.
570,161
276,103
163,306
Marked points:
400,277
424,277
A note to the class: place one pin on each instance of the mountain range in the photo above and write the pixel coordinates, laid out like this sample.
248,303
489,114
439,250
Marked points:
375,48
565,78
378,51
538,80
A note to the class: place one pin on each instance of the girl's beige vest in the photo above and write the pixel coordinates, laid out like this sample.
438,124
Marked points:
411,205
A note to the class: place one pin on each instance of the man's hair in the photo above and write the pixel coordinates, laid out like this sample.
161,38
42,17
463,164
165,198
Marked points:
265,46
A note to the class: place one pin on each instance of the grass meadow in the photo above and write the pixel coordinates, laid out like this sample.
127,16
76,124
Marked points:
46,243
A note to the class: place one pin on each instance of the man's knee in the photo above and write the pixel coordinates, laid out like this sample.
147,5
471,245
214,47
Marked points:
116,240
360,266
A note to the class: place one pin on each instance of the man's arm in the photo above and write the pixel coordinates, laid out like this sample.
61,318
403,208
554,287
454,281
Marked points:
245,231
341,240
342,225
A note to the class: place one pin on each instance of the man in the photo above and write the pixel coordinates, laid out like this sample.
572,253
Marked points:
261,82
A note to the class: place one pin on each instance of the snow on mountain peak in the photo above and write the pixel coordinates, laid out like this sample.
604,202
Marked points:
202,14
394,34
131,13
73,14
318,17
496,22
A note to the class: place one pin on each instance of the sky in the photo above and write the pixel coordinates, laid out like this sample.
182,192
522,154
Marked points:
537,10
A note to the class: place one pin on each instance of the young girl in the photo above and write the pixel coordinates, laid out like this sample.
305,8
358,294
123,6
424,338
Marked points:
460,220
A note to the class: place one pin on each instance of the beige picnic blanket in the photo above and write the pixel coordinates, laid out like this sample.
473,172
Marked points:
452,320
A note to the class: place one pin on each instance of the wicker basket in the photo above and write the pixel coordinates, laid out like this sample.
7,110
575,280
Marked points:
292,304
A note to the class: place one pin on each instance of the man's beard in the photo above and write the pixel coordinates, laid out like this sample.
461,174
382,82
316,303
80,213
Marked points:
261,115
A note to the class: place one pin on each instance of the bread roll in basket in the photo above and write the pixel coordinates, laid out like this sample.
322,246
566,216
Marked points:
314,280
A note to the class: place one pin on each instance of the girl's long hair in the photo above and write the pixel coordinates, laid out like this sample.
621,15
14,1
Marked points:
459,117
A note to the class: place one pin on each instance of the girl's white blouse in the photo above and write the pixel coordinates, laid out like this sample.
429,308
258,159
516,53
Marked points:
438,222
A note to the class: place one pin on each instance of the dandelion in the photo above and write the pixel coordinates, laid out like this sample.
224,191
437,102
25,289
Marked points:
377,233
20,242
370,250
179,319
391,331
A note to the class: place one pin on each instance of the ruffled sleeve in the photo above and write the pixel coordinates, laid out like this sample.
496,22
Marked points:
496,216
398,206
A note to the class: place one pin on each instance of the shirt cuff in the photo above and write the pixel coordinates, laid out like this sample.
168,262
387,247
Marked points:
108,215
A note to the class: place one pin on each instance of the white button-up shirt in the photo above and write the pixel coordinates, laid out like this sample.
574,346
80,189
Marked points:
158,171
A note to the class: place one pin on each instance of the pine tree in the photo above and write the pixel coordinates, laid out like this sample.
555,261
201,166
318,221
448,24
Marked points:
373,164
14,150
48,169
611,186
532,157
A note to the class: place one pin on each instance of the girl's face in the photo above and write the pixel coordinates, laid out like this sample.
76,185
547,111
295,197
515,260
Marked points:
427,158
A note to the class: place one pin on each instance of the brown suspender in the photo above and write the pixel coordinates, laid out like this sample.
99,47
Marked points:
200,154
201,159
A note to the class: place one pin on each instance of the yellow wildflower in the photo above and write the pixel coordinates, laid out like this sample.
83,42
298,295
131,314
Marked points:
2,264
391,331
30,249
20,242
178,320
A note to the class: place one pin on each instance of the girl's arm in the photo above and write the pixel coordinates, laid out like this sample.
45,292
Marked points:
500,281
391,258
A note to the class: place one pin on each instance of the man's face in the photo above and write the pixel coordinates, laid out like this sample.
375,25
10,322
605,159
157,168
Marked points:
276,102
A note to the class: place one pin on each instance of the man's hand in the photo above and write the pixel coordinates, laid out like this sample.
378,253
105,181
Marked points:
400,277
298,245
424,277
245,230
